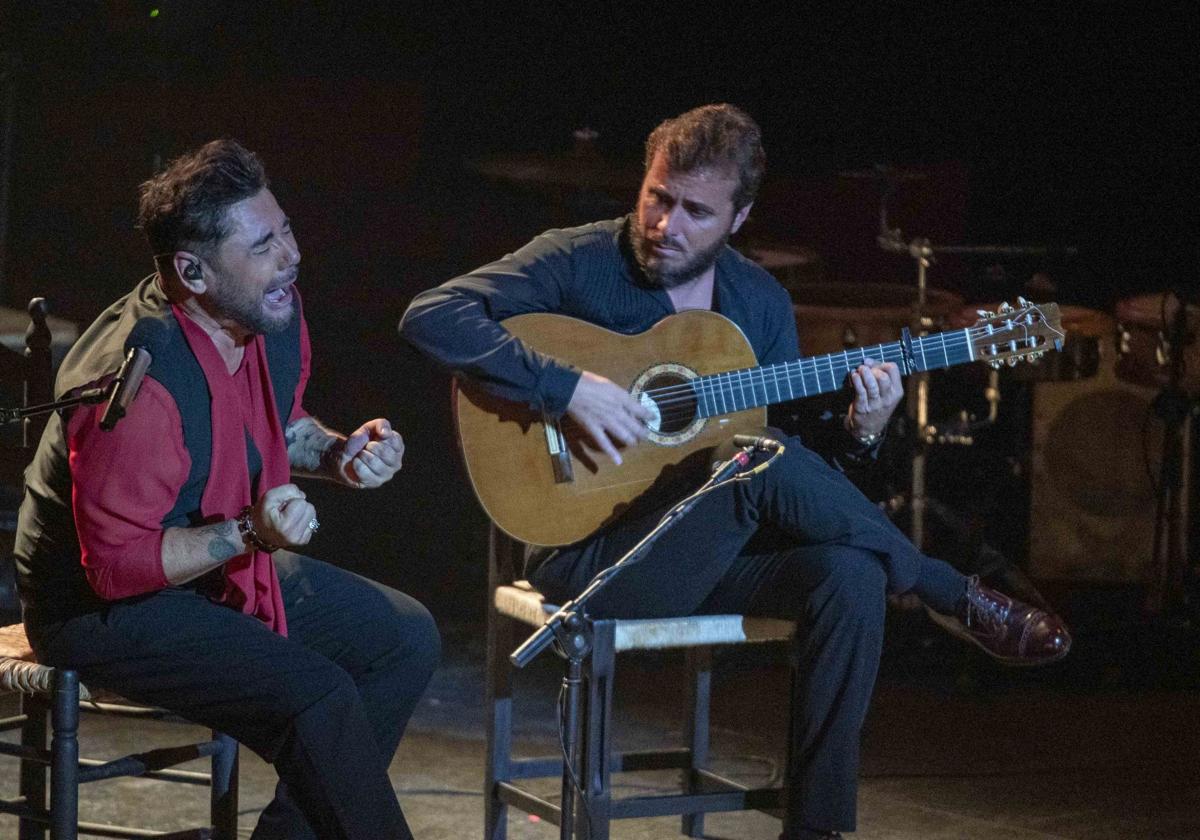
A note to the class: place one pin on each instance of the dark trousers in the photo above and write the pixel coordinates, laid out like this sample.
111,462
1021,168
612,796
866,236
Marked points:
327,705
798,542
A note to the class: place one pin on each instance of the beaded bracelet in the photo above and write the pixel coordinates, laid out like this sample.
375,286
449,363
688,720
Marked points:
246,528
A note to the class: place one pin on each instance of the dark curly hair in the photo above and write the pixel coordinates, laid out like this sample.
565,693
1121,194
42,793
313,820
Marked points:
717,137
183,207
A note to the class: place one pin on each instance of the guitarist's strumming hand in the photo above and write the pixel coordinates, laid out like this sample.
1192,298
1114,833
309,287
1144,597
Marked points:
608,413
877,392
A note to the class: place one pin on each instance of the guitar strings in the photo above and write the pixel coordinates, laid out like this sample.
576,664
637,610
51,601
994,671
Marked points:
684,396
815,366
825,364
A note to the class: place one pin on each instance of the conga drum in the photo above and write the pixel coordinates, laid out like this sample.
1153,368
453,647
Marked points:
1145,351
837,316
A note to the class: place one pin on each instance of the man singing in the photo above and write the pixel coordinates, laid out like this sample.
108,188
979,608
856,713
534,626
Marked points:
840,557
152,557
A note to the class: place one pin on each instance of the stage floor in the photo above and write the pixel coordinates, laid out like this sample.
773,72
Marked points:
1098,749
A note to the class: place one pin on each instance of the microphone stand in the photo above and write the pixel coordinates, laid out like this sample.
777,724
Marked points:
571,631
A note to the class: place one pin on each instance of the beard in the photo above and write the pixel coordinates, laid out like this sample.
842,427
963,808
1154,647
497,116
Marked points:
668,278
241,305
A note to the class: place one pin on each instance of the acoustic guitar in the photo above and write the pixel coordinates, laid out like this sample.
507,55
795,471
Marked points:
544,483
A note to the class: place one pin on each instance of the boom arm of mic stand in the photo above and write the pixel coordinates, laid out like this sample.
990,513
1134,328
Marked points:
91,395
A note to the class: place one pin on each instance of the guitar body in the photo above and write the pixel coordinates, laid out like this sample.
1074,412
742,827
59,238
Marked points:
548,499
544,484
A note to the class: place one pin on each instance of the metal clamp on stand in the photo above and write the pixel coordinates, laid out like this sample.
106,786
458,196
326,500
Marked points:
571,631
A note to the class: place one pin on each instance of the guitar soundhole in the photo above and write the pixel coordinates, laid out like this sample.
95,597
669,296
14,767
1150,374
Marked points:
674,401
667,391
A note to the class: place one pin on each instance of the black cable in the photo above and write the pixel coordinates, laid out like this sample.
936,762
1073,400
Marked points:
570,769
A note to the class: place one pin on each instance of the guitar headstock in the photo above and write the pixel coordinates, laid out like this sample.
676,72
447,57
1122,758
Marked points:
1014,333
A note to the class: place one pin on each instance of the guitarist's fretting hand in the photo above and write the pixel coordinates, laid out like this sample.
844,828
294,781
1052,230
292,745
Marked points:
609,414
877,392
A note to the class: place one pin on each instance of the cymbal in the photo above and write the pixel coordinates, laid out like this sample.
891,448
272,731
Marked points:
588,170
882,172
771,256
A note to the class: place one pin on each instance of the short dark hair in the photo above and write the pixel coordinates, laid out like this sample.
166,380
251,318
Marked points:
713,136
184,205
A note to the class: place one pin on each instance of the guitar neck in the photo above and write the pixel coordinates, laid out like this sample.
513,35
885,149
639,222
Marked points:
738,390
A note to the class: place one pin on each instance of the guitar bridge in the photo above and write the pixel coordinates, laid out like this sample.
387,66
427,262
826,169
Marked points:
560,455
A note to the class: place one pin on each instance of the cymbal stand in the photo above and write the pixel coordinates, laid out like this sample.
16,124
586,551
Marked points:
924,254
1171,589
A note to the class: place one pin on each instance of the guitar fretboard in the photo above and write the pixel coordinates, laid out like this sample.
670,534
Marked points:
738,390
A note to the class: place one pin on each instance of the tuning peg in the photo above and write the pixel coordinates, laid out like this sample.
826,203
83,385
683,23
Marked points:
983,313
996,363
1012,361
1022,302
1005,308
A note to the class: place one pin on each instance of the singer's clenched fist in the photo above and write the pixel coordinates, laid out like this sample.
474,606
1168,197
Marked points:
370,456
282,516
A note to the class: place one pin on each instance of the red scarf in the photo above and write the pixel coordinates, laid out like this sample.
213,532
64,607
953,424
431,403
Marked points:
251,584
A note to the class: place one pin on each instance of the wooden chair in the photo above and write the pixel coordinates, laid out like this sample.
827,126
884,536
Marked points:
515,605
51,698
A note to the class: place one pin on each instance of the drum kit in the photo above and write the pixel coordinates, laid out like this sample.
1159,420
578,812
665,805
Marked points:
1113,417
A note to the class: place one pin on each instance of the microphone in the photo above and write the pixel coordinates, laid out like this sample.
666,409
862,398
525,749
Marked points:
762,444
890,242
147,334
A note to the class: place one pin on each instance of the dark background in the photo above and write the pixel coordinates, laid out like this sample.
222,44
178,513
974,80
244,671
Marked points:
1056,124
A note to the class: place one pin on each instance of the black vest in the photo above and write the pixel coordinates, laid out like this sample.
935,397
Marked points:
177,369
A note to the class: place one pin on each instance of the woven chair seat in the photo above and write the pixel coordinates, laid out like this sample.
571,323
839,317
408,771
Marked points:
19,668
522,602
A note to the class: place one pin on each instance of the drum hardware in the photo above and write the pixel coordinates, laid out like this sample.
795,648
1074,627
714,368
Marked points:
960,431
1173,581
924,253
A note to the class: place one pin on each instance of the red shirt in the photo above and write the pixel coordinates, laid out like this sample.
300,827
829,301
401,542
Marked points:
125,481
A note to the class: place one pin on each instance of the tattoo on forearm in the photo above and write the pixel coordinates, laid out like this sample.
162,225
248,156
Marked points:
307,442
225,542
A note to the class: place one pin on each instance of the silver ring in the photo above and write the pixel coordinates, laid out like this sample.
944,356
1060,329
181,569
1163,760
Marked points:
314,525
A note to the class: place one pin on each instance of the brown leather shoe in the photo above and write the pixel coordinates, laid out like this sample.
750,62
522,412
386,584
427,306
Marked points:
1008,630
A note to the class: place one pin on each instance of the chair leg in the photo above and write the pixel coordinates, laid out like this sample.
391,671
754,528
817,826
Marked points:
597,731
33,774
699,665
499,724
64,756
223,802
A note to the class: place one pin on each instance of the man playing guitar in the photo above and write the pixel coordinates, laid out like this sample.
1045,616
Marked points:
839,557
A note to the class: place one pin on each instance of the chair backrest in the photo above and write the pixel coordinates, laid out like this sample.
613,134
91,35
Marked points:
506,558
30,374
39,368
